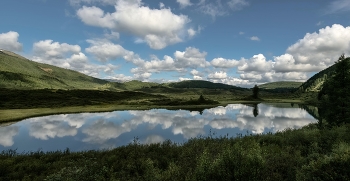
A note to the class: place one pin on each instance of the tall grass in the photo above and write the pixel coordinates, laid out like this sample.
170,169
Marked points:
304,154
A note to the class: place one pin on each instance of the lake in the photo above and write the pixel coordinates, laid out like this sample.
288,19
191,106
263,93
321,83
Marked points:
86,131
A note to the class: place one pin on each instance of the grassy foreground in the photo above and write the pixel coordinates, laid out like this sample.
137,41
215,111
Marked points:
305,154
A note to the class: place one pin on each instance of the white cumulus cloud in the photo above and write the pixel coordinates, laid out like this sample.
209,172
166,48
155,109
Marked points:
105,50
224,63
49,49
9,41
191,58
157,27
218,75
68,56
322,48
257,63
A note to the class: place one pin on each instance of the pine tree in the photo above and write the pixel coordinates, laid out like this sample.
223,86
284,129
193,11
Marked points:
335,94
255,92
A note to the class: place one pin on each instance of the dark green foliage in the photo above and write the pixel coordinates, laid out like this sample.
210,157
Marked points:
179,102
255,92
136,85
201,98
14,99
281,87
304,154
256,110
201,84
335,97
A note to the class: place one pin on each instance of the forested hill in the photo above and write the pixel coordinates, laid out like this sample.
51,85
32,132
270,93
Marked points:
17,72
201,84
281,85
315,83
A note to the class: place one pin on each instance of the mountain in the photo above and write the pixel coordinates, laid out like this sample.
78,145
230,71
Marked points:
315,83
17,72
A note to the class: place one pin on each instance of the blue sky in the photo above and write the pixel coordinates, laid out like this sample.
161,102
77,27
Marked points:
237,42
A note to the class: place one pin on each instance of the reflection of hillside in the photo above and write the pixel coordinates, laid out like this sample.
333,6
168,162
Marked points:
312,110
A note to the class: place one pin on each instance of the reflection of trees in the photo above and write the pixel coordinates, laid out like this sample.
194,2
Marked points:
312,110
255,110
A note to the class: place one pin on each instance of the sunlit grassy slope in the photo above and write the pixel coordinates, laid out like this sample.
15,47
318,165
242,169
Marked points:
17,72
315,83
280,84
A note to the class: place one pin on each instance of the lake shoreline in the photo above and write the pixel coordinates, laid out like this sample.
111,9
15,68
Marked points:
15,115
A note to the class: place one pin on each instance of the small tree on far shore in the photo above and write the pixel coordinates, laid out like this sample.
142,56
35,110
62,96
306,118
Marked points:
255,92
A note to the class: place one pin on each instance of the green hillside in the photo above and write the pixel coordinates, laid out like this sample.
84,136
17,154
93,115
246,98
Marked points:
17,72
315,83
280,84
200,84
135,85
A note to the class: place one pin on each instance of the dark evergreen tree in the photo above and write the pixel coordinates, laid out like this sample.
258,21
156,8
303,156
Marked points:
256,110
335,95
201,98
255,92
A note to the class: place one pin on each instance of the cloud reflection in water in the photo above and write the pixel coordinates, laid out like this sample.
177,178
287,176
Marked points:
7,134
152,126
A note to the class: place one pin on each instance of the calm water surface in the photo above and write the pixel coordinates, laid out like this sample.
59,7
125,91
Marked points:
87,131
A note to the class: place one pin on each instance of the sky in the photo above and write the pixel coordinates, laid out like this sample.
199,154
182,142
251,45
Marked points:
236,42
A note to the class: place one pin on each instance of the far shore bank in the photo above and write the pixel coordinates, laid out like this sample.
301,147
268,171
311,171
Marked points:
14,115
